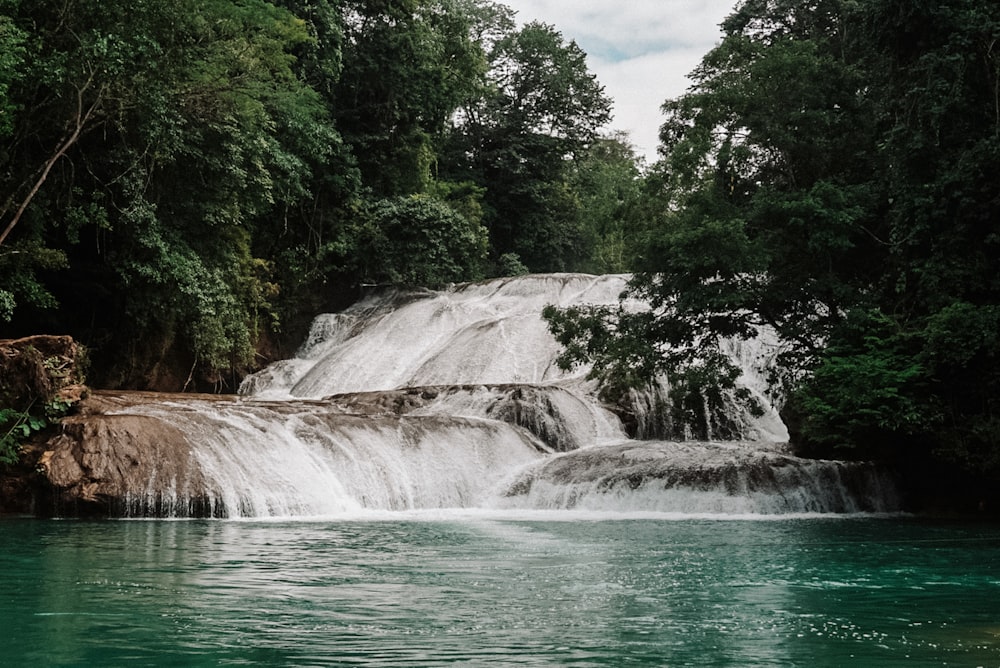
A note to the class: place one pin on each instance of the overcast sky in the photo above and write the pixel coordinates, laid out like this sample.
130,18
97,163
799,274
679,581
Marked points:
640,50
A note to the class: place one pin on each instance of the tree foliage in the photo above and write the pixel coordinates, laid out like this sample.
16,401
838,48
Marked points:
540,111
609,185
419,240
165,132
407,66
831,175
184,184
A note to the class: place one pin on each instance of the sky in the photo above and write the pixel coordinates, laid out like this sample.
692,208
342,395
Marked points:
640,50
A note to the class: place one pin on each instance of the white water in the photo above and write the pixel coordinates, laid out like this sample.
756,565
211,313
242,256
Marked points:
262,460
453,399
483,333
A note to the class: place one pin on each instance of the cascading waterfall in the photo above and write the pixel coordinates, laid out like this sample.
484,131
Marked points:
698,477
453,399
480,333
261,459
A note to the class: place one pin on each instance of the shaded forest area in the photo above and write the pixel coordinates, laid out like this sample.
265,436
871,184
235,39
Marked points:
184,185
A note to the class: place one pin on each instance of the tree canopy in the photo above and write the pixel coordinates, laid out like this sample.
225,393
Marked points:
183,185
541,111
831,174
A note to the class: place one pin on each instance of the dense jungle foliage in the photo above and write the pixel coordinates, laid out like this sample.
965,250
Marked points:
832,174
184,184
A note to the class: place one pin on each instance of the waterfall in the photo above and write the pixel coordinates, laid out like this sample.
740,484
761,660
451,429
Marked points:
487,333
449,399
480,333
728,478
261,459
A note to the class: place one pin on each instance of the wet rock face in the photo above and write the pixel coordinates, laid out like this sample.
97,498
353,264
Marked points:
744,477
155,455
552,414
98,462
134,453
194,456
106,462
40,378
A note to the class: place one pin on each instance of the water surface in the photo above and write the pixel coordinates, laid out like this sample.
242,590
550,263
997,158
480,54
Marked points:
474,589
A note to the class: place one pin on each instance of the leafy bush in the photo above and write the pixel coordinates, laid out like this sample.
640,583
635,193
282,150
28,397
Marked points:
509,264
419,240
15,427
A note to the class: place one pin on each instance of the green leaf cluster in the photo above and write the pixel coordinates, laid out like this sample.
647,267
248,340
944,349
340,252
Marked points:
524,137
418,241
15,427
831,176
184,184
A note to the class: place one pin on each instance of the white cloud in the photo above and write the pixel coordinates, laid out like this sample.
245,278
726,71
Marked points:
639,86
639,22
640,50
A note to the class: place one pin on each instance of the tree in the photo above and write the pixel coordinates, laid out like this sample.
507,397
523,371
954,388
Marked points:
12,52
184,183
418,241
204,126
939,144
762,224
541,111
609,184
408,64
829,176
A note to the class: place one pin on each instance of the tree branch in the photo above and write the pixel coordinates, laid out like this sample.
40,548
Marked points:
82,117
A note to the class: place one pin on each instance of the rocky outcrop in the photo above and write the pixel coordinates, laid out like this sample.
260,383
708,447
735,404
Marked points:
40,368
155,455
553,414
105,461
756,478
144,454
41,378
98,463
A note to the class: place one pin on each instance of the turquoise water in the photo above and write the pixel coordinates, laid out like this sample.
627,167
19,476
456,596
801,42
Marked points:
530,590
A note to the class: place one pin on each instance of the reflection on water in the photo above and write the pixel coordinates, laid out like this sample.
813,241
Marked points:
467,590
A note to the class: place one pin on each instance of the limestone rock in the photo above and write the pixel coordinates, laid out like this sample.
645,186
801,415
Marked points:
111,461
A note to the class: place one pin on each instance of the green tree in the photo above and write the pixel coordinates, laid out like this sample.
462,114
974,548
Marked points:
830,175
541,110
204,127
408,65
940,148
12,52
252,135
303,236
609,184
418,240
762,180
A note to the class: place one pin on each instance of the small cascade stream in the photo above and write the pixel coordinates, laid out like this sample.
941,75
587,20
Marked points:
453,399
